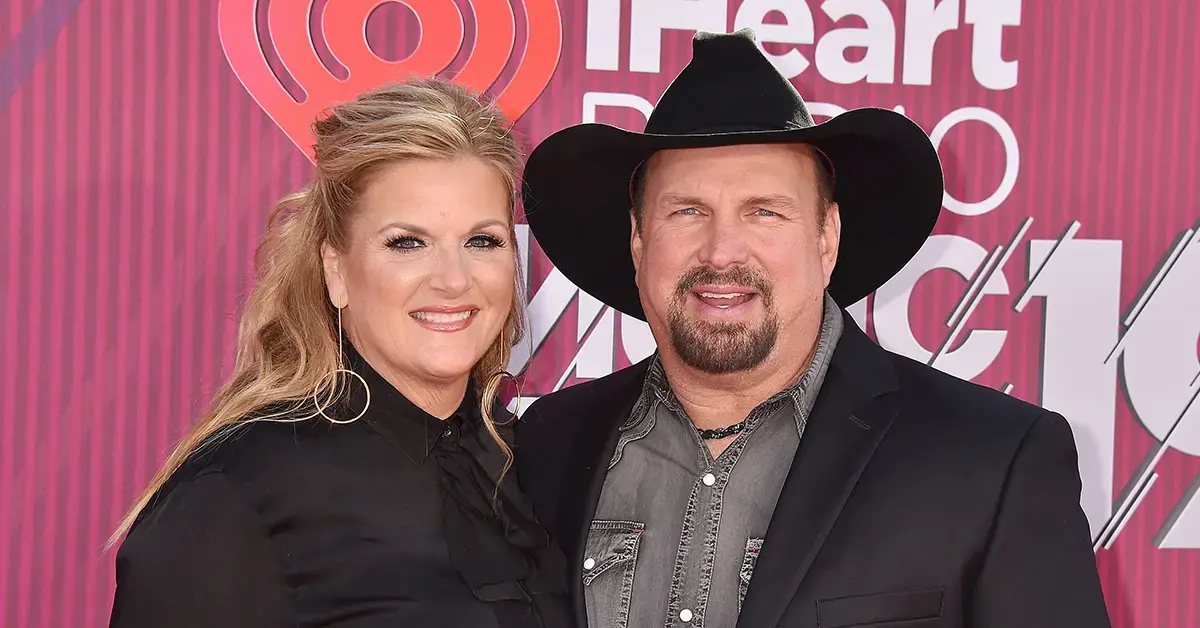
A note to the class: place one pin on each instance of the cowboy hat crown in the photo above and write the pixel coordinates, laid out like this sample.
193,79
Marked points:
887,177
751,95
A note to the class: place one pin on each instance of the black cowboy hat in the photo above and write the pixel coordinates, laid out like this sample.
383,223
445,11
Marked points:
887,177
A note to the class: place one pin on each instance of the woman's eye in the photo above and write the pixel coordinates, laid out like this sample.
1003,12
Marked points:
483,242
405,242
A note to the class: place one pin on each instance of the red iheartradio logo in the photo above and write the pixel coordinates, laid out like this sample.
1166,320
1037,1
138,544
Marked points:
343,23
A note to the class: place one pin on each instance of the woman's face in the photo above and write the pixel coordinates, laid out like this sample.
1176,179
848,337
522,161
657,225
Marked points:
428,274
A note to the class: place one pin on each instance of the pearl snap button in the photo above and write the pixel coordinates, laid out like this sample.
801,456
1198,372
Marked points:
685,615
589,563
709,479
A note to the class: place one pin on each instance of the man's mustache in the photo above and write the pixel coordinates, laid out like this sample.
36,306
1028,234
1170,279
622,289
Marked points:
738,275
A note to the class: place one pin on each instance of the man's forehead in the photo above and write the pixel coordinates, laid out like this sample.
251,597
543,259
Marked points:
764,155
751,170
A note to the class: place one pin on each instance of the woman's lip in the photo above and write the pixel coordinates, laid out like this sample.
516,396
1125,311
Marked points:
443,321
445,309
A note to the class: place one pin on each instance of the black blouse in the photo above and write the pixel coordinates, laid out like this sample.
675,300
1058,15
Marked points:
386,521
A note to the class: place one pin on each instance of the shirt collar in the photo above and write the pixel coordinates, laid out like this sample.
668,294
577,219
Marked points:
411,429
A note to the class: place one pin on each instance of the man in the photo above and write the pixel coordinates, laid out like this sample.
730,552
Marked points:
770,465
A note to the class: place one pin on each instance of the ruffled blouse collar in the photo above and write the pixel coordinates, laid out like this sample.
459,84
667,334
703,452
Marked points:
503,555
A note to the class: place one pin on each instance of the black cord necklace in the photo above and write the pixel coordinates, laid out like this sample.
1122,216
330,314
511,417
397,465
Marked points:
723,432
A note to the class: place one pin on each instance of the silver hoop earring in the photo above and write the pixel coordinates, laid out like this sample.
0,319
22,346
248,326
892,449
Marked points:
341,369
502,375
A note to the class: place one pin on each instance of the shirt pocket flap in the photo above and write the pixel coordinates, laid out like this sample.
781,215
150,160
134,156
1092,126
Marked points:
610,544
749,559
879,608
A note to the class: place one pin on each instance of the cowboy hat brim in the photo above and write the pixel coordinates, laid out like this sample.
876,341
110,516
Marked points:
888,185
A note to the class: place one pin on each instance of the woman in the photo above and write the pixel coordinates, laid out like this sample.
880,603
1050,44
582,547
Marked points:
352,471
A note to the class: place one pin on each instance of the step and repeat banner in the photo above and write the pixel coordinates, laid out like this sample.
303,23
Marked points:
142,143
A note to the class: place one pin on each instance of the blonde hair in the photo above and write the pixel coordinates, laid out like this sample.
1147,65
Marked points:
287,343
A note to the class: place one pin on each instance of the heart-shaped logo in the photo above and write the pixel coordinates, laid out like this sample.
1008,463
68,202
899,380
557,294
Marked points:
343,23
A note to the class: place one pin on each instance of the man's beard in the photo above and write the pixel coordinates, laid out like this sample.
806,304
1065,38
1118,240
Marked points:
722,348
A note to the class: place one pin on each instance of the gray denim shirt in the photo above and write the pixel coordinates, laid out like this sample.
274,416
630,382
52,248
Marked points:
676,533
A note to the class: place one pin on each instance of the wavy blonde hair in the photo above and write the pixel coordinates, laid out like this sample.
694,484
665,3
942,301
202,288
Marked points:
287,343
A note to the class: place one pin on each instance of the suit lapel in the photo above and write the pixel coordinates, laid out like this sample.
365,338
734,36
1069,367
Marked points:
851,415
593,448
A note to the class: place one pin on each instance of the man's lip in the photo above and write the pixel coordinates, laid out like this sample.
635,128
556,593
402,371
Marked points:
723,290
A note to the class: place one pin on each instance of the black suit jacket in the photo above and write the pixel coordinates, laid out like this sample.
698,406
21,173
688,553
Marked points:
916,499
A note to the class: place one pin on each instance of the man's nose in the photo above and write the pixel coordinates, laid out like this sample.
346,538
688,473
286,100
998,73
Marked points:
725,242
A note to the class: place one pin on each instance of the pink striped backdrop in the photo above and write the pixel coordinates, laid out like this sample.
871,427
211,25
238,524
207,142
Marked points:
137,171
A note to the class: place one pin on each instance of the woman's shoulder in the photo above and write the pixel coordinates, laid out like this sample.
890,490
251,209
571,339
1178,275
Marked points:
244,458
242,450
261,440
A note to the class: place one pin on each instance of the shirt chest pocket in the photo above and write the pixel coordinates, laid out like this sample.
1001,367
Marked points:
609,563
749,558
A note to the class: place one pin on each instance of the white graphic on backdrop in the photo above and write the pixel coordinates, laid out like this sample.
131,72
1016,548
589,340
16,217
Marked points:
924,22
